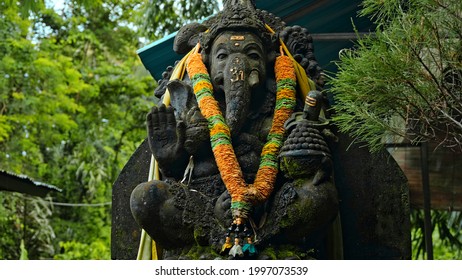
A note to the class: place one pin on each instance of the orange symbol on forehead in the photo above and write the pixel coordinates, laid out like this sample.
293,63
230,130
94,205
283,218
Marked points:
237,38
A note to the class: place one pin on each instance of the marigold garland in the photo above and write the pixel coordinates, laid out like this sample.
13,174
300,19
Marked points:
244,195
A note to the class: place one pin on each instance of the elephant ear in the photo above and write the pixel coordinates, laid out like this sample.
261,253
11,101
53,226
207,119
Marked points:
181,94
187,37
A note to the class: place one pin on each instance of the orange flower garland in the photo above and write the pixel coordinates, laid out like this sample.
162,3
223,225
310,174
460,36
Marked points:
244,195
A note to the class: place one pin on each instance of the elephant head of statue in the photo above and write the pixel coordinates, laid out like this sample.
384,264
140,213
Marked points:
238,51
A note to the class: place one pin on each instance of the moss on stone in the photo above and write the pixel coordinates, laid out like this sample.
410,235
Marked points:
300,167
198,252
297,210
284,252
269,252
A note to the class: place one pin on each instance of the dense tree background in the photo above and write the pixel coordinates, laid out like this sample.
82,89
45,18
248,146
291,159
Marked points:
165,17
73,98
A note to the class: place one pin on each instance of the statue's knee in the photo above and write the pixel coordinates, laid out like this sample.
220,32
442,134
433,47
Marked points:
320,201
147,198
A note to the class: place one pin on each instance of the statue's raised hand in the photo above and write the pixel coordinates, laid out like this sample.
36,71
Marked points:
166,138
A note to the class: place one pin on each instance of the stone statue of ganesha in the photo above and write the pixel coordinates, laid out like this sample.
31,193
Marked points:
244,153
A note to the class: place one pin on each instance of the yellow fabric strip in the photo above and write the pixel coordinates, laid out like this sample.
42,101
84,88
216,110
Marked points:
305,83
146,252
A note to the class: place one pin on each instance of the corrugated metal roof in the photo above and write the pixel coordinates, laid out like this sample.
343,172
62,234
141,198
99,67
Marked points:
329,21
23,184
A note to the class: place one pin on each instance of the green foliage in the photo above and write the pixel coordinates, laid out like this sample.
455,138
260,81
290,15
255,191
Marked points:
24,254
74,250
25,227
10,227
73,98
161,18
446,234
26,7
406,78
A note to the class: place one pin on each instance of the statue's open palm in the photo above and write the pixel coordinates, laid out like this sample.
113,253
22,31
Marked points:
166,136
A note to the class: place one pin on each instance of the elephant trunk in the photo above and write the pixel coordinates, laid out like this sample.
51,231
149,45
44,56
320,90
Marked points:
239,81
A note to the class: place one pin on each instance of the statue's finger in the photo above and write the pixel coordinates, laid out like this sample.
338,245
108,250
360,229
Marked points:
152,119
162,115
190,113
171,122
181,132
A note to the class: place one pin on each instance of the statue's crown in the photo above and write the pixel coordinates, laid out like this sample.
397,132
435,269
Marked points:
238,15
